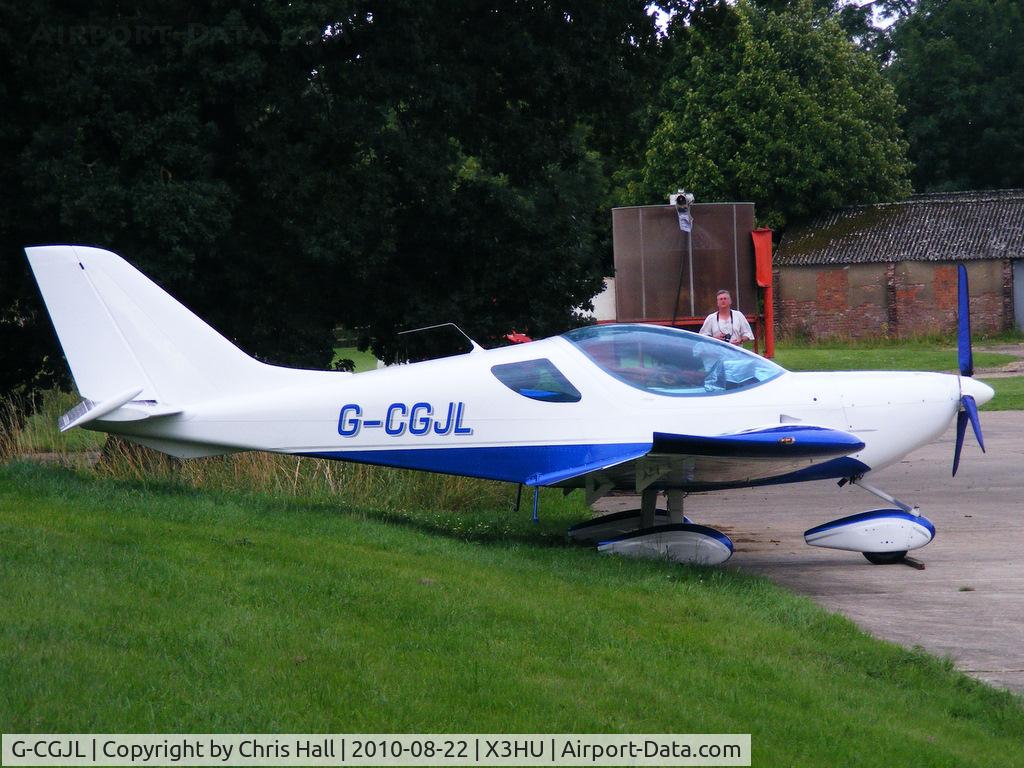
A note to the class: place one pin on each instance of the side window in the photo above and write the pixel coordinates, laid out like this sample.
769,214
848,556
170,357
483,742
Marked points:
537,380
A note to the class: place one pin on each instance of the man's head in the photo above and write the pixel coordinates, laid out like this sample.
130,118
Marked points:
724,300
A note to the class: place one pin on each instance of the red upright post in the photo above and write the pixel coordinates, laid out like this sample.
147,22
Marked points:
763,268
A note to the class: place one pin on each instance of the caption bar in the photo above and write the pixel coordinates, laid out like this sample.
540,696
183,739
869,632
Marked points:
155,749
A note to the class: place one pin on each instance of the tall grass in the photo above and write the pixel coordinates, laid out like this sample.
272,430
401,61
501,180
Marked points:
300,477
472,508
28,425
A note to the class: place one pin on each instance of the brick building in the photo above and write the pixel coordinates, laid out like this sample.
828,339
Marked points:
890,269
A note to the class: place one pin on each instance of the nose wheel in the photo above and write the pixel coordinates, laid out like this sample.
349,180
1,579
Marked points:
883,536
885,558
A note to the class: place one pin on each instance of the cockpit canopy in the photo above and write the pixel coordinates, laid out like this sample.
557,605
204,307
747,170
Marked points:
669,361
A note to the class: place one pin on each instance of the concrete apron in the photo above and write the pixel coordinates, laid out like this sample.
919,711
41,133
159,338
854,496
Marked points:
968,604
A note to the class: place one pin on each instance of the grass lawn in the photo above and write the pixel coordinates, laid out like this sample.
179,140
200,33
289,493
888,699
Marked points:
1009,394
902,356
364,361
148,608
887,356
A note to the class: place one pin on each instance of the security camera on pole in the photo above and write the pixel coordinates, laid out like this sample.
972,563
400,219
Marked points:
682,200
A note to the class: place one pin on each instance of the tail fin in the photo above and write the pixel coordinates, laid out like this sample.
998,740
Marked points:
119,330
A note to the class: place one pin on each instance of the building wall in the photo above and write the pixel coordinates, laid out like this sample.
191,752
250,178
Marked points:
901,300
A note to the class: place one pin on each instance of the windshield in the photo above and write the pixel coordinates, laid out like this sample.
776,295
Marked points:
669,361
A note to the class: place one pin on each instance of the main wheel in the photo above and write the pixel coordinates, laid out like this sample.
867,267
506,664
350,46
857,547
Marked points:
885,558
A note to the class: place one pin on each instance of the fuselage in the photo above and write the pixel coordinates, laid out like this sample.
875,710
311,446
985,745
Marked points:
456,415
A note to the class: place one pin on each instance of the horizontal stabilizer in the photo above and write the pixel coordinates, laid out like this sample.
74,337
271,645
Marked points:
122,407
87,410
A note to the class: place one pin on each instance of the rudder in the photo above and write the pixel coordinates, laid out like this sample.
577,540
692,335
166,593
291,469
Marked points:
119,329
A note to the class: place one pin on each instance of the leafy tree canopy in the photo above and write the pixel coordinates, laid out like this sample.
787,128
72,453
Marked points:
773,105
287,167
867,23
959,71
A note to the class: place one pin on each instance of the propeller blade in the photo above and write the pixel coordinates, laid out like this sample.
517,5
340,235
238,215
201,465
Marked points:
971,408
961,430
964,355
967,413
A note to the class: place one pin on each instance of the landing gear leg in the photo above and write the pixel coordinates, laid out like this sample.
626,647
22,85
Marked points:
675,505
648,506
859,482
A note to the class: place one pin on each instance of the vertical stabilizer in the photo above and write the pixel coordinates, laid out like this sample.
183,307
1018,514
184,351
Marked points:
121,331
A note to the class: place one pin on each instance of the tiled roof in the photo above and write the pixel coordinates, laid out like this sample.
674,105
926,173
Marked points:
960,226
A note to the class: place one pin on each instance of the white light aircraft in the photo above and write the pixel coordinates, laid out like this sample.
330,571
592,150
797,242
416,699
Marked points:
601,408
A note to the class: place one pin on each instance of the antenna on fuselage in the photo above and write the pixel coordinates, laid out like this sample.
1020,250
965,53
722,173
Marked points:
476,347
438,346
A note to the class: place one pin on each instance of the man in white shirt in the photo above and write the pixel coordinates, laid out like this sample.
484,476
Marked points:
726,323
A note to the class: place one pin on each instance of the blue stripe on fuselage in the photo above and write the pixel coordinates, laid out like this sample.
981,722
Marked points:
530,463
513,464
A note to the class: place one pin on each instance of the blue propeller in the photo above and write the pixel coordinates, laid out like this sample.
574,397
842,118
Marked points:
968,412
968,406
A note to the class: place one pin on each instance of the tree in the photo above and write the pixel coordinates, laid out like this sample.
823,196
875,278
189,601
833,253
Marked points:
774,106
286,167
959,71
142,131
492,162
868,24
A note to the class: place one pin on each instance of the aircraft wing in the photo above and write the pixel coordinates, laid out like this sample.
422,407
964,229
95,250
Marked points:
707,462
